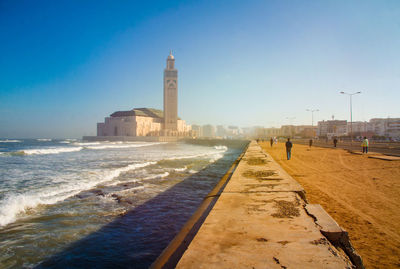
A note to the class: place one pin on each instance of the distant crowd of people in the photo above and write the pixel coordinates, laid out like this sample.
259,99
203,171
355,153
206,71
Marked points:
289,144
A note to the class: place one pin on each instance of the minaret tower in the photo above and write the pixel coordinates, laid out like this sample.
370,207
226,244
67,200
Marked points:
170,96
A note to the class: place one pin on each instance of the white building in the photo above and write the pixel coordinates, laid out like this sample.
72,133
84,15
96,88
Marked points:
357,127
208,130
150,121
389,127
332,128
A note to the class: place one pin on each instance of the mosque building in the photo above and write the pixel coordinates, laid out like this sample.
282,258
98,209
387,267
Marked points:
149,121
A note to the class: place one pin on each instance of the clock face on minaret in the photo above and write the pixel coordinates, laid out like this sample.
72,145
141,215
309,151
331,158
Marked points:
170,95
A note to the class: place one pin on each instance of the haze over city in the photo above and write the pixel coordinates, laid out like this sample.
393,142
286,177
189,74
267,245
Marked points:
66,65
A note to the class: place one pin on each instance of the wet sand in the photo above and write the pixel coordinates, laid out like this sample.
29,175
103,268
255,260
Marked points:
360,193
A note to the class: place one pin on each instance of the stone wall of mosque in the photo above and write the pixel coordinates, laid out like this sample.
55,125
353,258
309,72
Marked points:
139,126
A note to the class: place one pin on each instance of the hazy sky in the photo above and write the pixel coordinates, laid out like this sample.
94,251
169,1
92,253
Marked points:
65,65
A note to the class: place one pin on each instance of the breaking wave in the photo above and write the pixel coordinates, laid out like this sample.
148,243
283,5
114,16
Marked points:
165,174
225,148
120,146
180,169
46,151
91,146
214,155
15,205
10,141
44,139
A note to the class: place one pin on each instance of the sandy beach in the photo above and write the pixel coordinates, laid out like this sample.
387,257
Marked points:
360,193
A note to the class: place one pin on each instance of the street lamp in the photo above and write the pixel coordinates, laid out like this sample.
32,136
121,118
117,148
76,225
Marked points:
351,113
312,115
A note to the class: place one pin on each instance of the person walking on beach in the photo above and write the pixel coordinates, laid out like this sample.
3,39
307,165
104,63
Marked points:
335,142
310,143
365,145
289,146
271,141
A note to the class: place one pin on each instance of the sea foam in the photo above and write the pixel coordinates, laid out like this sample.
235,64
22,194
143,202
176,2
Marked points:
49,150
120,146
17,204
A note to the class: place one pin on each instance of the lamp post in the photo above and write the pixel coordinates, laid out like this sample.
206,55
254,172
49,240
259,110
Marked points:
312,115
351,113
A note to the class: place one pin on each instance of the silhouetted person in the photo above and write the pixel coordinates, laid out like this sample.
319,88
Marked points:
271,141
365,145
335,142
289,146
310,143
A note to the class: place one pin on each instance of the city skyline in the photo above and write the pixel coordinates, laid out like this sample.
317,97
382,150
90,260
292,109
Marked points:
254,64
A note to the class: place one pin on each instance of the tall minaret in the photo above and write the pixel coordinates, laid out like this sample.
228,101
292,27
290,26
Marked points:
170,95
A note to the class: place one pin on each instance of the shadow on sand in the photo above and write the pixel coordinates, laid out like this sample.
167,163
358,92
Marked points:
135,239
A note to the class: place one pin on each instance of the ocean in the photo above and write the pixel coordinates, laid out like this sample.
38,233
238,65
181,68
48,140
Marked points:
66,203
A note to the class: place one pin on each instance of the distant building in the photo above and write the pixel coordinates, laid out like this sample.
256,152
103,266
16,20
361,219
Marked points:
265,133
359,127
197,130
208,130
221,131
389,127
288,130
150,121
233,131
306,131
332,128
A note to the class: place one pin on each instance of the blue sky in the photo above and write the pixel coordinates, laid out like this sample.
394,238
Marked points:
66,65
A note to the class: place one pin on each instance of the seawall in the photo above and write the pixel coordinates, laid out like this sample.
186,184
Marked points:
259,218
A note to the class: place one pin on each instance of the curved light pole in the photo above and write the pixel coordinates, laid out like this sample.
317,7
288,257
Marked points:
351,113
312,115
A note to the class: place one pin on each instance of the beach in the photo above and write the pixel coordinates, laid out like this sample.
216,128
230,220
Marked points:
362,194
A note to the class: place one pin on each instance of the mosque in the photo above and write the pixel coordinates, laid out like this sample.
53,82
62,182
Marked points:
150,122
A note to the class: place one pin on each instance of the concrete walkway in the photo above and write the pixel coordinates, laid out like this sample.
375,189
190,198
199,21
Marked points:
260,221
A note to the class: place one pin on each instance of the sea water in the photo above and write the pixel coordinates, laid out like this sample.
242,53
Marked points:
70,203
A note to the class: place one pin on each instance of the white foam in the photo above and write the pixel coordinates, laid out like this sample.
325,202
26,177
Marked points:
93,146
118,146
15,205
213,154
65,142
10,141
115,173
224,148
165,174
44,139
50,150
180,169
86,143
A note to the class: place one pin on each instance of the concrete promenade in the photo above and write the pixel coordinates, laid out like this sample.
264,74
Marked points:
262,220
